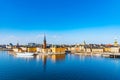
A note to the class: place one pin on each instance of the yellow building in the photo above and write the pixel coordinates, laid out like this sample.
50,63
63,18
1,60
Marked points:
58,49
25,49
107,49
31,49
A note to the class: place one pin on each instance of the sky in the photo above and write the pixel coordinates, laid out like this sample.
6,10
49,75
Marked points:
63,21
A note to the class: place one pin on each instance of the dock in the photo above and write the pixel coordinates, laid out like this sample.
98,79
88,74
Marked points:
5,49
111,55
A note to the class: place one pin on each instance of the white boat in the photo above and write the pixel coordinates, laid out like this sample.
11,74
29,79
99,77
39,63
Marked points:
97,54
25,54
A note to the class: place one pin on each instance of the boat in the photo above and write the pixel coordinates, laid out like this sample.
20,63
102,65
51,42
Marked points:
97,54
25,54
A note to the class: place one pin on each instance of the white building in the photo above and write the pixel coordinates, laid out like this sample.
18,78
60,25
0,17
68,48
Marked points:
115,49
39,49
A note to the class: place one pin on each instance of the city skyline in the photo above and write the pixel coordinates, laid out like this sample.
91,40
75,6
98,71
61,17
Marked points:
63,21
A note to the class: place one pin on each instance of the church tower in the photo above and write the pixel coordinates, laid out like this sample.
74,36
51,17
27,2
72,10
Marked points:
44,42
116,43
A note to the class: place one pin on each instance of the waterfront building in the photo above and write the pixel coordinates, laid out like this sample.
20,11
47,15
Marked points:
107,49
72,49
81,48
17,49
31,49
58,49
24,49
47,50
77,49
115,49
97,50
88,50
39,49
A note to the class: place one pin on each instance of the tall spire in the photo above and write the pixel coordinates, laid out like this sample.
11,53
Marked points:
44,42
44,37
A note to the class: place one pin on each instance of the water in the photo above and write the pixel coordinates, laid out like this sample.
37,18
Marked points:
58,67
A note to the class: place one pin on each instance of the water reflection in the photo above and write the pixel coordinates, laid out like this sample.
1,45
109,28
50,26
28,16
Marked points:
44,62
53,57
58,57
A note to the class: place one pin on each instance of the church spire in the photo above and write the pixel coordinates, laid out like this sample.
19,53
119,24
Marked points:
44,42
44,37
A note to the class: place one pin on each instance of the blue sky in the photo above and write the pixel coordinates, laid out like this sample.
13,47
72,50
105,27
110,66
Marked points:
63,21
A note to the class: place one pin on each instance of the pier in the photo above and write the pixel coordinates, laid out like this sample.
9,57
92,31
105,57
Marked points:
111,55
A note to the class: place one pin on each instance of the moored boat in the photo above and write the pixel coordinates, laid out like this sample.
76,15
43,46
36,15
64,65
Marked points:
25,54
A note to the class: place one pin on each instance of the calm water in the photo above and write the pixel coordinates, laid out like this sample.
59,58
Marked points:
58,67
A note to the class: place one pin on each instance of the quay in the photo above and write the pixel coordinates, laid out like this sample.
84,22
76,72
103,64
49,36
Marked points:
111,55
5,49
